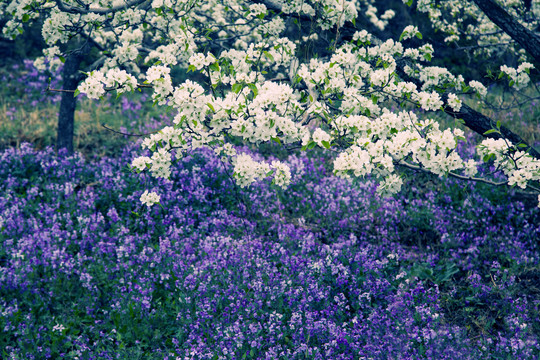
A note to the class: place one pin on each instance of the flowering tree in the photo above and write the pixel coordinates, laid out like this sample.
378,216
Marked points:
298,73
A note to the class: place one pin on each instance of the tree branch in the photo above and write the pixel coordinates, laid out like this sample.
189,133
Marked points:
523,36
473,119
475,179
480,123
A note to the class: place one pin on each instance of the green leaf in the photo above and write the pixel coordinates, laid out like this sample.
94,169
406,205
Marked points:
427,57
211,107
276,139
77,92
326,144
253,88
491,131
419,35
25,17
409,2
214,66
236,88
268,55
62,59
522,145
498,124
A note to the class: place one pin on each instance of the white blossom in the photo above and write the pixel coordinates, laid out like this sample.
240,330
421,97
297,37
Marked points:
149,198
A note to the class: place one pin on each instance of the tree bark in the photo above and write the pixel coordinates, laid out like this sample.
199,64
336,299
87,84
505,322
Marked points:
519,33
66,114
480,123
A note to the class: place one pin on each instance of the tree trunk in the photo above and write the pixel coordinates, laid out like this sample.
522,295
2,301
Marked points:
66,114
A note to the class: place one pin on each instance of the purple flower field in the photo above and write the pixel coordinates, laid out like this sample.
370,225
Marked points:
323,270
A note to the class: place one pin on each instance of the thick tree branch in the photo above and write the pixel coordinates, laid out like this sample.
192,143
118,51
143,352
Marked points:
480,123
529,40
473,119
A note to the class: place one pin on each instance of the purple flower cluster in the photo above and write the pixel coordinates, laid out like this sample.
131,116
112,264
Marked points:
323,270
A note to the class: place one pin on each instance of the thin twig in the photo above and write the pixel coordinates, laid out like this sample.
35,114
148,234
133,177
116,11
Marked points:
58,90
127,134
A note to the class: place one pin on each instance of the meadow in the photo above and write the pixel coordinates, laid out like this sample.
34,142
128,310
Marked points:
323,270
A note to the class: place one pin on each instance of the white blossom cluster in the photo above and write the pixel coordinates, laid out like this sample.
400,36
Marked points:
519,78
282,174
95,84
410,32
520,167
429,101
199,60
454,102
399,139
247,170
379,21
149,198
478,87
